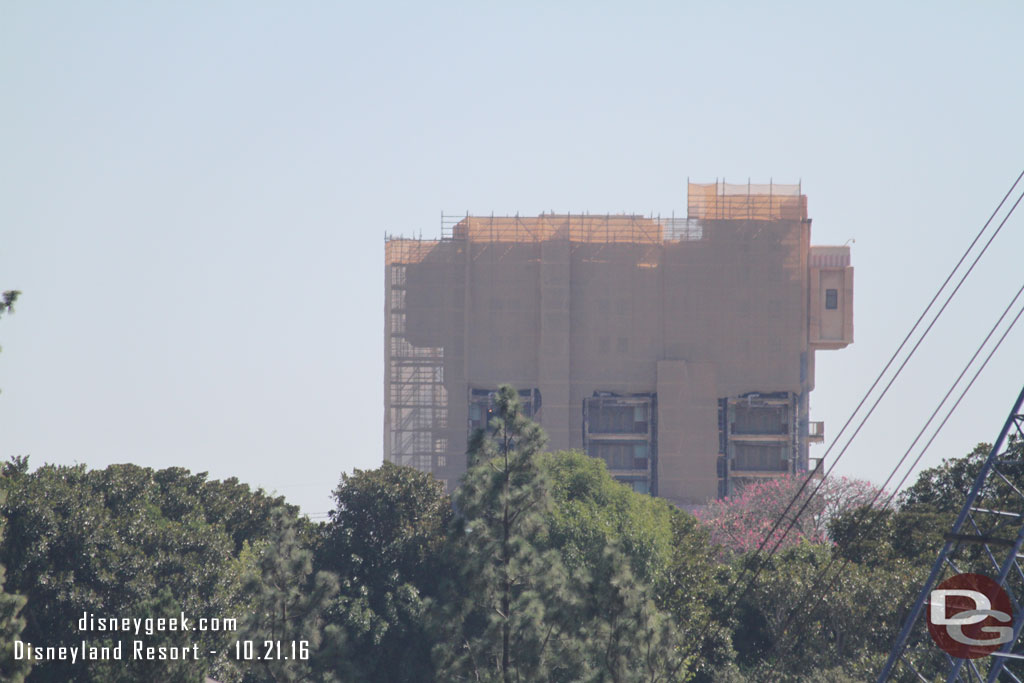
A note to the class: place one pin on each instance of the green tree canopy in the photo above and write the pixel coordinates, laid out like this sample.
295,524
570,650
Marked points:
384,540
512,621
288,605
110,541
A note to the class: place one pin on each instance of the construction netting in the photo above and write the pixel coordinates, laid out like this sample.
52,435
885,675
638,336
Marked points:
626,229
398,250
733,201
705,201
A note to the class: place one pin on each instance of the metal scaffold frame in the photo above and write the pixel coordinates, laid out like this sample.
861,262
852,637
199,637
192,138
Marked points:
417,401
582,228
745,201
992,520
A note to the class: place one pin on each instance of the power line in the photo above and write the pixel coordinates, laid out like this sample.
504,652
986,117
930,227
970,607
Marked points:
879,512
893,379
899,370
758,562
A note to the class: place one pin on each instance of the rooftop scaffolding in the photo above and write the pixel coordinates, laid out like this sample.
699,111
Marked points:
730,201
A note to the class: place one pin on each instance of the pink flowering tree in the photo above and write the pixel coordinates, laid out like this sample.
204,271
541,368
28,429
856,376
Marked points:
742,521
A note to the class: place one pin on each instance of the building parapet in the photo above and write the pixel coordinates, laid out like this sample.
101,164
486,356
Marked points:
829,257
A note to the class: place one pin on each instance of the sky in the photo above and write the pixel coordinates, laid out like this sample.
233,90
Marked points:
194,197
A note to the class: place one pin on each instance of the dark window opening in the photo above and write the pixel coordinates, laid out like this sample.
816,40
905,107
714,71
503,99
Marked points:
831,299
619,455
622,431
763,419
482,406
757,457
608,417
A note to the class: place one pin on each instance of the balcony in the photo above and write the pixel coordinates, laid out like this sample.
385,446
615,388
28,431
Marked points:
816,432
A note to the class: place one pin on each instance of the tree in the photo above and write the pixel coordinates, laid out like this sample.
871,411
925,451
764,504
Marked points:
912,533
785,633
11,626
648,563
384,541
11,621
7,300
945,487
590,511
742,522
545,552
107,542
288,606
507,616
693,591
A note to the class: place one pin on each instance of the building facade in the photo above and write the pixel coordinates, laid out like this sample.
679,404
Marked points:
679,351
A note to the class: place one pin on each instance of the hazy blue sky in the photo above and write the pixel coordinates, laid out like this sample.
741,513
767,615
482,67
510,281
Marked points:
193,196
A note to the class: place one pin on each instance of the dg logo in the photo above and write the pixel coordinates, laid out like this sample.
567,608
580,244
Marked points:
970,616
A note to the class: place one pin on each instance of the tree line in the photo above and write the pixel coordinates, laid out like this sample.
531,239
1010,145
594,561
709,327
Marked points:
540,567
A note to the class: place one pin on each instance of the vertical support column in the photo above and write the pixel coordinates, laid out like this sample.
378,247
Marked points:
553,359
803,416
387,359
688,439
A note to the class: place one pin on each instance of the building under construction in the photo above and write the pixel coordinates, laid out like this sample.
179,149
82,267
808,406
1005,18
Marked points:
678,350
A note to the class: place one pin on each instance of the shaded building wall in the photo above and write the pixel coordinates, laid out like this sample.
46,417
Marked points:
691,321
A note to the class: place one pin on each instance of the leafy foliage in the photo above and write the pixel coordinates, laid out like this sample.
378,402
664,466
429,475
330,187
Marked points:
545,551
11,621
784,628
634,548
288,603
109,541
541,568
591,511
11,626
944,488
511,616
384,541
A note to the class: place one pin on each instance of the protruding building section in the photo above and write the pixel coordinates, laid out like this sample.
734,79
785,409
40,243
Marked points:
678,350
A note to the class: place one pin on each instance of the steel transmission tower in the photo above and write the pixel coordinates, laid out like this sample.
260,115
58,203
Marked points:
986,539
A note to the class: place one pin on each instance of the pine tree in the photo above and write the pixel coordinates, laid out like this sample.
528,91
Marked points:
288,607
627,638
511,620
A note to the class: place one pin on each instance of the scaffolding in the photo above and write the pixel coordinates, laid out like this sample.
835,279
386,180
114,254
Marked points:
417,401
627,229
402,250
417,420
730,201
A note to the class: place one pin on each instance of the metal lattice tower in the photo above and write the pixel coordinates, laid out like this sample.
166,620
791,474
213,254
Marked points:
986,539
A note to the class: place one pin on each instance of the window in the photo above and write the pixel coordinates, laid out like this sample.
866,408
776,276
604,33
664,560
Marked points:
831,299
621,431
482,407
761,419
760,457
611,415
619,455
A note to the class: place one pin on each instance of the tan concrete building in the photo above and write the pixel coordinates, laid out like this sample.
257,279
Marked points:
679,351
